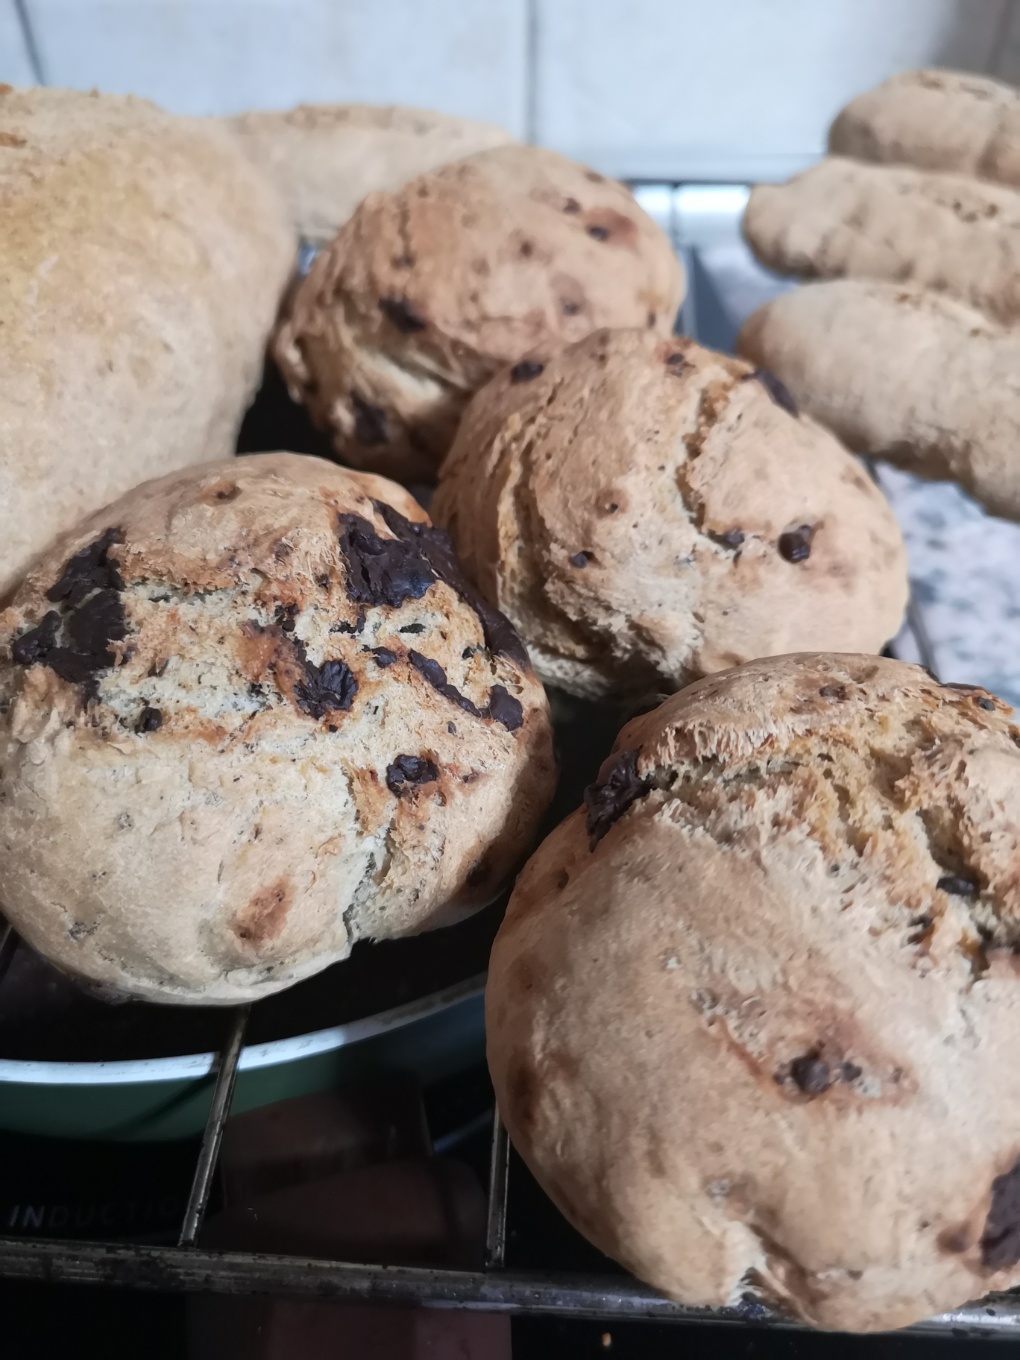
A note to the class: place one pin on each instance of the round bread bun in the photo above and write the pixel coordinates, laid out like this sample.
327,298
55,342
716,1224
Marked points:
753,1015
646,511
324,158
250,714
143,262
429,290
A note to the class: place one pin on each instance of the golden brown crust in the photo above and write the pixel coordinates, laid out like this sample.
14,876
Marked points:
249,714
427,291
936,120
754,1025
324,158
647,511
143,258
904,374
844,218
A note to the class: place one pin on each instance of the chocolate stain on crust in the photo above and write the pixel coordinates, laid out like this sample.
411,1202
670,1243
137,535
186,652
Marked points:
502,707
265,915
617,787
75,641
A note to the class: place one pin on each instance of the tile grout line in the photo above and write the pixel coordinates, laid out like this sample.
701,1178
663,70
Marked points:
29,39
531,37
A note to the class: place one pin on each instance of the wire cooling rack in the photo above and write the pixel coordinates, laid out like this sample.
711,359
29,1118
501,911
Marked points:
187,1266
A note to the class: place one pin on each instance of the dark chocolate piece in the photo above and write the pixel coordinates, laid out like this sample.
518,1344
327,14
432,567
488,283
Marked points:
795,544
370,425
427,542
732,538
849,1071
987,704
382,570
150,720
501,707
38,642
958,885
410,770
580,559
526,370
1000,1241
617,787
598,233
328,688
504,708
775,387
89,569
383,656
400,312
811,1074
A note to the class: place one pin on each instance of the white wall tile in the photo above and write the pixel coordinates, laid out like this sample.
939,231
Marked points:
1005,61
220,56
742,88
15,67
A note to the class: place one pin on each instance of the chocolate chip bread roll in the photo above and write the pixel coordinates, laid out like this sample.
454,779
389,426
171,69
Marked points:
647,511
250,714
904,374
752,1013
429,290
936,120
324,158
844,218
142,259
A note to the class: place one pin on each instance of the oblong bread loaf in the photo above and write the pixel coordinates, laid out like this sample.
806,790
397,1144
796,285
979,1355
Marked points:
141,262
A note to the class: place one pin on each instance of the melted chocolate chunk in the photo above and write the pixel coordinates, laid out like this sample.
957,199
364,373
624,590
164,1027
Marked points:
617,787
1000,1241
526,370
732,538
987,704
598,233
580,559
502,707
811,1074
88,590
775,387
382,570
400,312
344,627
410,770
795,544
38,642
849,1071
89,569
328,688
958,885
434,547
676,362
383,656
370,425
150,720
412,628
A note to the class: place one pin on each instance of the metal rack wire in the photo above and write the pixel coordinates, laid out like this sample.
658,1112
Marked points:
189,1267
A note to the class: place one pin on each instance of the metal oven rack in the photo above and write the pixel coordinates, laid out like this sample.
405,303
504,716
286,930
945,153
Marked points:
189,1267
